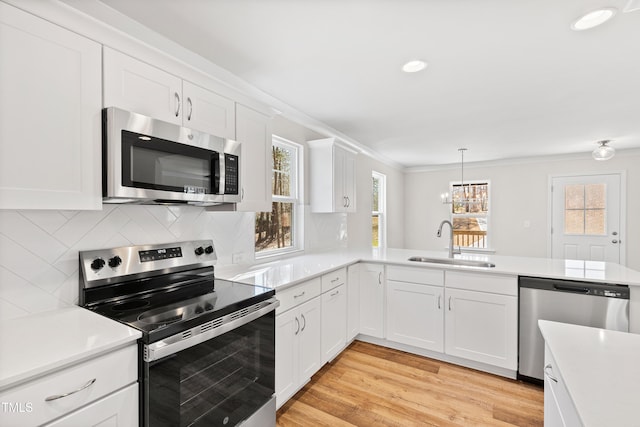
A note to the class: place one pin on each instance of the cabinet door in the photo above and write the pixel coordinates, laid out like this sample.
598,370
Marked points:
253,130
139,87
207,111
482,327
349,181
334,322
415,315
353,301
372,300
309,339
287,331
339,197
50,122
119,409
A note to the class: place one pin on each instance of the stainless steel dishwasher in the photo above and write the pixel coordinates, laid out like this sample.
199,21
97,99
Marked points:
599,305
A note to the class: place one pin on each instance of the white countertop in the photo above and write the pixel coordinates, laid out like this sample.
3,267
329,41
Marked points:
600,369
290,271
36,344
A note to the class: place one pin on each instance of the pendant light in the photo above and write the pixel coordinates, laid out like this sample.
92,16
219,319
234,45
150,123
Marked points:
445,196
604,151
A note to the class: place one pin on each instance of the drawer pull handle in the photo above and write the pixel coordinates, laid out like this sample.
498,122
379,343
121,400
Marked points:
300,295
546,371
335,280
334,294
60,396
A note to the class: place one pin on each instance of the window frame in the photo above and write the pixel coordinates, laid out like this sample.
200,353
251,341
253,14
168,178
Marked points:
381,213
297,212
486,215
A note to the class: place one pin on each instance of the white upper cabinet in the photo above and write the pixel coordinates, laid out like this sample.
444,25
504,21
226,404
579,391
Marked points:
253,130
136,86
333,176
50,120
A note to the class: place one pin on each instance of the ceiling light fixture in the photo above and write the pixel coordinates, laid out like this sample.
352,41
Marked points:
604,151
593,19
414,66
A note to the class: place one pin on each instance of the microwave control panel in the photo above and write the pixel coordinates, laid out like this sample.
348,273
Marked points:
231,172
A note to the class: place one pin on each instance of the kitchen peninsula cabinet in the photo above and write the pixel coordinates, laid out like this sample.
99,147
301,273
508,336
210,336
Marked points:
353,301
334,314
136,86
298,352
372,299
415,307
333,176
481,318
49,115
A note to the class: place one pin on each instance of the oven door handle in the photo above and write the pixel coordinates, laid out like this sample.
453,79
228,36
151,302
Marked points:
194,336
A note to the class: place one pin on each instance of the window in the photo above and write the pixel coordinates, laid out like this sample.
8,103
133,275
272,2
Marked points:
584,209
470,214
278,231
378,205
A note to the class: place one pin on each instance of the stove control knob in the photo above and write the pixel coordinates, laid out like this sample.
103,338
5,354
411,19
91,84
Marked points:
115,261
199,309
208,250
199,250
97,264
208,306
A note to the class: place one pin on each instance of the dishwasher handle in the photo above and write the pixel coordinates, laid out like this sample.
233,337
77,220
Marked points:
577,290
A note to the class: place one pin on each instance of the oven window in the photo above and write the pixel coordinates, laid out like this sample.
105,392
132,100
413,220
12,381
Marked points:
219,382
158,164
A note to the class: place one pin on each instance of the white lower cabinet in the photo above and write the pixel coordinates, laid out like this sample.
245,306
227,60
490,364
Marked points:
334,322
372,300
481,318
559,410
414,315
298,354
119,409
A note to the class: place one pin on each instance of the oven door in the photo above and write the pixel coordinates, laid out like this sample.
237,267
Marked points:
220,381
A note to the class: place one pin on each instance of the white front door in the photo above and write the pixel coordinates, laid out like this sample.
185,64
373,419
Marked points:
586,217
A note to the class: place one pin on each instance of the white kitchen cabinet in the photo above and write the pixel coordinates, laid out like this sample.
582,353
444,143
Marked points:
119,409
298,352
332,176
482,326
67,392
50,123
559,410
334,314
136,86
372,300
415,315
253,130
353,301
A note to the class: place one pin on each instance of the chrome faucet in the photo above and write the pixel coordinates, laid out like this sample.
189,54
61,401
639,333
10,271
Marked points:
439,234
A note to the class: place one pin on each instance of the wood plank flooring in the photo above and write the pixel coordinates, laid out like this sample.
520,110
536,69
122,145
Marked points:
369,385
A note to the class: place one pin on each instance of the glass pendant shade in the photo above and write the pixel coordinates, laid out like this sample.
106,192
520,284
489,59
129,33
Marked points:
603,152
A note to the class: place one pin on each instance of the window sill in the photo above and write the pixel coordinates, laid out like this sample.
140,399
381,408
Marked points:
278,253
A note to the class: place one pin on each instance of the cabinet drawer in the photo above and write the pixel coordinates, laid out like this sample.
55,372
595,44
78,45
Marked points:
493,283
108,373
424,276
298,294
333,279
119,409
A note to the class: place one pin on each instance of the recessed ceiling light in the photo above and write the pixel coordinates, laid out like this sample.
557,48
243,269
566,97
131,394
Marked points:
593,19
414,66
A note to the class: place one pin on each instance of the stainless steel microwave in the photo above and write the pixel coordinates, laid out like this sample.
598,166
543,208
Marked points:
149,161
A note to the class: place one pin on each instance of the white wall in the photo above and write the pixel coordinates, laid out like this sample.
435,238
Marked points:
519,192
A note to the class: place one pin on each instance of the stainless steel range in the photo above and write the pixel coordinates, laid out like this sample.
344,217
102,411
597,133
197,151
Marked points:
207,352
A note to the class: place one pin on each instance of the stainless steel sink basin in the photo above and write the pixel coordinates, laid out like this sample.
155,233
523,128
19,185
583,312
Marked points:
450,261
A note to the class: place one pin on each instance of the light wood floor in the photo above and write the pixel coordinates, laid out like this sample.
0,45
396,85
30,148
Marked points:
368,385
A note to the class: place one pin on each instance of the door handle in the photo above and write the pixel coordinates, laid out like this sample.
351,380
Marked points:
304,325
380,278
449,303
297,326
439,298
614,241
546,371
190,108
177,103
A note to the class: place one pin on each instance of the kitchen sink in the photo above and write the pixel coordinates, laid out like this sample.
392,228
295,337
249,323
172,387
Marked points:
450,261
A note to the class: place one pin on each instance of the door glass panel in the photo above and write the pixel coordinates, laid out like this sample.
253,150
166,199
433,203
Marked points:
574,222
574,196
594,222
595,195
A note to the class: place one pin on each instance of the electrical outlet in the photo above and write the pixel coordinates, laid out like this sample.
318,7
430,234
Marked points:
526,223
237,258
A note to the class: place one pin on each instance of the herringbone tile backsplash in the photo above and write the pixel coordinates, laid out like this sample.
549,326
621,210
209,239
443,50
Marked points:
39,249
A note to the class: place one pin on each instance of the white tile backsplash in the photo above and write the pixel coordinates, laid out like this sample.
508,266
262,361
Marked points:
39,249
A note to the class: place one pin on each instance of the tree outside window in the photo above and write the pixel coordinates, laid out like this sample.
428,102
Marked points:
276,231
378,206
470,214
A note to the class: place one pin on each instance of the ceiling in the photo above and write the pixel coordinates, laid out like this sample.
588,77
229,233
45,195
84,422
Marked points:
505,79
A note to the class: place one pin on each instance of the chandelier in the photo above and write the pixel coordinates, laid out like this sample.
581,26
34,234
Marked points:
469,197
